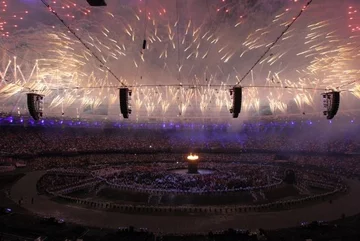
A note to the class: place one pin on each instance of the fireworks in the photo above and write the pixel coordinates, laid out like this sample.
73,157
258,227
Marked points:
11,17
195,51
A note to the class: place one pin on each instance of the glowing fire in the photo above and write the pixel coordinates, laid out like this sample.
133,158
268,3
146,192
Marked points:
192,157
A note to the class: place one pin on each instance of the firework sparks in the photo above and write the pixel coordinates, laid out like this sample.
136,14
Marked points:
194,52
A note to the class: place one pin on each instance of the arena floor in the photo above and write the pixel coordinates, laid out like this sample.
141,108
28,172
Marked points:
26,188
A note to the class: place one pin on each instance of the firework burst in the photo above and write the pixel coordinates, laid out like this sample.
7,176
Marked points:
181,57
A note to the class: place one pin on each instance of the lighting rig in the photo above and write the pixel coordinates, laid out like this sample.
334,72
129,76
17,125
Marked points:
331,102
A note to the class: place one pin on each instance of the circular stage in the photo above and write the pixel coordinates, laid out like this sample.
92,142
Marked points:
164,185
211,178
26,188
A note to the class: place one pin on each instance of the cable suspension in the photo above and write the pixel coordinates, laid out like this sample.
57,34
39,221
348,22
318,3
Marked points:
275,42
82,42
348,83
189,86
145,25
14,54
178,39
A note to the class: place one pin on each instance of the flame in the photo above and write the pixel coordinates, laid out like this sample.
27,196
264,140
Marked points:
192,157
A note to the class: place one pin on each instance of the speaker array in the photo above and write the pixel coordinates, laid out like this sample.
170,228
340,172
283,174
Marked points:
236,93
35,104
96,3
125,108
331,101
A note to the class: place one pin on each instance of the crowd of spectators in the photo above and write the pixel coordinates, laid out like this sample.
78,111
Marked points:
94,161
306,136
309,137
171,177
163,176
52,180
339,166
265,139
13,227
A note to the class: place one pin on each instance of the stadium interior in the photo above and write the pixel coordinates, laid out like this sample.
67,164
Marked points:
165,120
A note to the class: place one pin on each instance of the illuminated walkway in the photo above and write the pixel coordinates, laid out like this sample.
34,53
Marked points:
26,188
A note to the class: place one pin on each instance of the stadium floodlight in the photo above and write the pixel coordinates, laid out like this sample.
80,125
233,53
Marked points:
96,3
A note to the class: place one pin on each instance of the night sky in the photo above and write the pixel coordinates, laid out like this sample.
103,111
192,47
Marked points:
208,44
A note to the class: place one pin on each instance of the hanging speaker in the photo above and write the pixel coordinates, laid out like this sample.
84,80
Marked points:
331,102
96,3
335,103
237,99
35,104
124,94
144,44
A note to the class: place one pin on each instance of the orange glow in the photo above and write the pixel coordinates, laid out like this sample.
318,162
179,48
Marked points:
192,157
